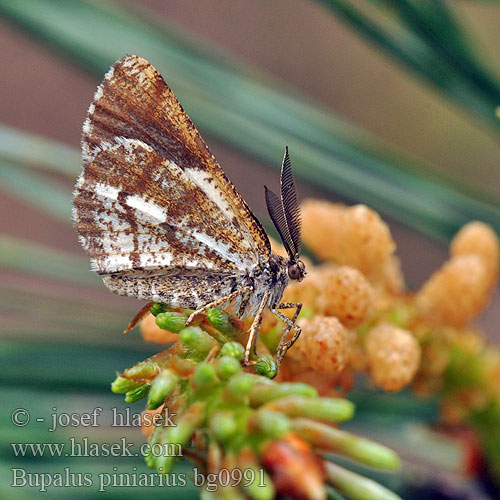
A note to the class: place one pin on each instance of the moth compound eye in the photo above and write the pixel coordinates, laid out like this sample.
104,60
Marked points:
301,267
294,272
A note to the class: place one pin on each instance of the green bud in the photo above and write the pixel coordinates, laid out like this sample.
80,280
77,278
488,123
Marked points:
157,308
121,385
220,320
227,367
261,488
269,390
150,460
266,366
223,425
272,337
332,409
338,441
191,419
157,432
205,376
161,387
171,321
142,370
195,338
164,464
137,394
356,486
272,423
233,349
240,385
180,434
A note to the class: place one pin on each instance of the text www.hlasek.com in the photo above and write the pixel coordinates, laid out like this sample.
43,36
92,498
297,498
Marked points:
85,448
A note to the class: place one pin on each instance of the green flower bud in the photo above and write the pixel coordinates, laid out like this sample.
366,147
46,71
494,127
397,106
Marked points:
137,394
233,349
205,376
121,385
157,308
266,366
162,386
356,486
268,390
272,337
227,367
180,434
223,425
157,432
220,320
257,486
171,321
338,441
143,370
195,338
332,409
164,464
150,460
240,385
261,488
272,423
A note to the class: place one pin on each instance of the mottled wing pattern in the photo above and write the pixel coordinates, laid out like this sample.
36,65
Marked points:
151,195
136,210
179,287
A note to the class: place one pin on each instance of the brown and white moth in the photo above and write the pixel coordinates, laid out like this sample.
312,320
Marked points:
161,221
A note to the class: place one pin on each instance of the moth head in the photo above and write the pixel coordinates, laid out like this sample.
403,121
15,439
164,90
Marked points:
285,214
296,270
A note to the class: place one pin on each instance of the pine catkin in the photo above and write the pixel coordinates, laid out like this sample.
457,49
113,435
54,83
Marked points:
456,293
393,356
479,239
347,295
321,224
365,231
323,344
389,278
355,236
358,360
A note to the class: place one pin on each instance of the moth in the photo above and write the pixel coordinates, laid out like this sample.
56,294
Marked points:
161,221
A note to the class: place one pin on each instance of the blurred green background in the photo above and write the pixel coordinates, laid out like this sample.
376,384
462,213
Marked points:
389,103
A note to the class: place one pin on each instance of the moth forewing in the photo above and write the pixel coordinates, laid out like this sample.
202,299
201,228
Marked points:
158,216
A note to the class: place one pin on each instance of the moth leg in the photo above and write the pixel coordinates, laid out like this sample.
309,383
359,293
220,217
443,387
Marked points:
289,324
252,334
243,304
218,302
139,317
